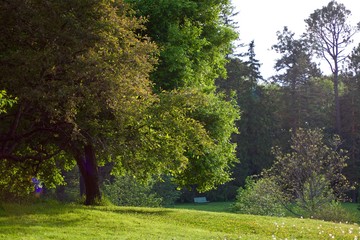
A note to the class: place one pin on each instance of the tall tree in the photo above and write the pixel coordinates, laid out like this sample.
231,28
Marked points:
256,125
194,38
295,71
330,34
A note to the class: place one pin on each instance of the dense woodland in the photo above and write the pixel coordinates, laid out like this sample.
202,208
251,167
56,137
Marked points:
100,95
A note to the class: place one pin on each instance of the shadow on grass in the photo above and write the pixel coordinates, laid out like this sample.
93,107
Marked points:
38,208
136,211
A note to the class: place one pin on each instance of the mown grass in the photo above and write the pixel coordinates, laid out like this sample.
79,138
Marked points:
352,208
210,207
71,221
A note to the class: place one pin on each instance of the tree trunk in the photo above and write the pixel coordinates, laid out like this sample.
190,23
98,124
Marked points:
81,185
89,172
337,102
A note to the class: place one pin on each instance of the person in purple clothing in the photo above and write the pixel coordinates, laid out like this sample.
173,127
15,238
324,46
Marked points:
38,187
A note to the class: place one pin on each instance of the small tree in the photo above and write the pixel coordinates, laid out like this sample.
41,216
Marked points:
311,173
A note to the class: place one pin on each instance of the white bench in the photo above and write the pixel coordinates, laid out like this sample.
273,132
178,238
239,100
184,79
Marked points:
200,200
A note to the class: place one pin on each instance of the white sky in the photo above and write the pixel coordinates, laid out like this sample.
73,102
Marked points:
259,20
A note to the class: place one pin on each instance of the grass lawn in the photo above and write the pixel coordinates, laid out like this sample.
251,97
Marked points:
71,221
353,209
210,207
226,207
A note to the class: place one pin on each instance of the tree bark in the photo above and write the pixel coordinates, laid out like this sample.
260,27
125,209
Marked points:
337,102
89,172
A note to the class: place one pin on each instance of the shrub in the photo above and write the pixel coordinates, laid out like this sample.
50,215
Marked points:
261,197
333,211
126,191
166,189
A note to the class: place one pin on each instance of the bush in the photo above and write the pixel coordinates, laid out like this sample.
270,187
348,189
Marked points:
333,211
166,189
261,197
126,191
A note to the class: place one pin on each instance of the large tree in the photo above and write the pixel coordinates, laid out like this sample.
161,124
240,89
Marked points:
295,70
330,33
80,71
194,38
80,74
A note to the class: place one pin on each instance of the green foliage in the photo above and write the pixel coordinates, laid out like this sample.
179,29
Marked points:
295,71
329,32
260,197
193,37
126,191
316,193
81,76
351,115
82,79
167,191
186,134
69,191
333,211
16,181
5,101
257,125
330,35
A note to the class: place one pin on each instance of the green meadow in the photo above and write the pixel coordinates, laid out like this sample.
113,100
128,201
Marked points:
50,220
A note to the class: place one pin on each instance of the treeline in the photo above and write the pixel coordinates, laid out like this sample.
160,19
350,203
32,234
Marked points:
299,96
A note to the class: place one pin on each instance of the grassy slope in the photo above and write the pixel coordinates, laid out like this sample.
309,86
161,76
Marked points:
210,207
55,221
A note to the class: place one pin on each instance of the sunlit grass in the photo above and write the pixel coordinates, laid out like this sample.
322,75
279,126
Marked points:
210,207
58,221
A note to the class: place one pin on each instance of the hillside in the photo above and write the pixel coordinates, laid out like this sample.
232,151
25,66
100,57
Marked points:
58,221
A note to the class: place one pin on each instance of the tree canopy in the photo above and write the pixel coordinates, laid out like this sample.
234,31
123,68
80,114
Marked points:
194,39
